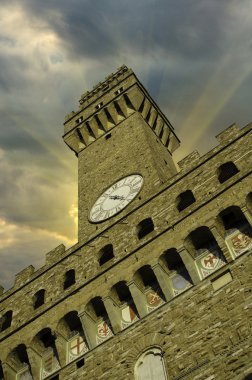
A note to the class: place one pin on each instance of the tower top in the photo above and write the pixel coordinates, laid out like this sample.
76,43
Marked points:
100,89
108,104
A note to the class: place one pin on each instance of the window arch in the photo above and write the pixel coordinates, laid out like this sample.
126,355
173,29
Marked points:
6,320
106,254
184,200
226,171
69,278
145,227
204,248
1,371
150,365
249,202
39,298
19,362
232,217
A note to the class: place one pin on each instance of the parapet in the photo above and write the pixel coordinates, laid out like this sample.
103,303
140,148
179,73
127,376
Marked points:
189,161
55,254
103,86
24,276
223,138
228,134
100,88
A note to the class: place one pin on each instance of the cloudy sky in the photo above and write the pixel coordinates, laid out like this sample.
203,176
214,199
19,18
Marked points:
194,57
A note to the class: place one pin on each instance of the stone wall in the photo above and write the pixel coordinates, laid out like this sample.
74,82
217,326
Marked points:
184,283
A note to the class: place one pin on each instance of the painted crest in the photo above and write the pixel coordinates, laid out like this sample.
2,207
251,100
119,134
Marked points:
103,332
50,364
210,262
240,243
128,316
154,299
77,347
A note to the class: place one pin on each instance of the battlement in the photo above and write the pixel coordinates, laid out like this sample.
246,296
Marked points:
98,90
187,164
109,104
104,86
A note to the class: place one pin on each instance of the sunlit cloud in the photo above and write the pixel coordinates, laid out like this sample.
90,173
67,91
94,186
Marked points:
212,100
22,244
73,212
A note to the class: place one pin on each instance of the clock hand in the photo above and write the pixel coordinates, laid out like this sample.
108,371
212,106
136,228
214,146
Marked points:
115,197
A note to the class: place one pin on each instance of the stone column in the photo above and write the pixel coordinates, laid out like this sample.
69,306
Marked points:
222,244
35,362
138,298
163,280
190,265
61,346
113,314
9,373
247,215
88,326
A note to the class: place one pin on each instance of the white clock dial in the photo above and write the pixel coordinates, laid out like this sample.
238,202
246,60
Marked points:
116,197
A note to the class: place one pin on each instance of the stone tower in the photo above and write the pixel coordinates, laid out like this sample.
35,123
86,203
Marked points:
118,130
158,286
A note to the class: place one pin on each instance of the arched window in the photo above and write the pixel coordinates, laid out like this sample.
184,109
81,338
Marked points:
150,366
99,324
106,254
44,344
249,202
203,246
19,362
70,328
121,295
238,232
248,377
69,278
144,228
226,171
184,200
6,319
148,282
1,372
178,275
39,298
232,217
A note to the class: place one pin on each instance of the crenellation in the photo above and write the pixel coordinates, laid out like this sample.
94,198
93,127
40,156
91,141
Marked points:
228,134
55,254
24,276
104,86
189,161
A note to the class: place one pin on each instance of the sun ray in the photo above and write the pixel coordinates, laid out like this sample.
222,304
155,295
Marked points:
214,96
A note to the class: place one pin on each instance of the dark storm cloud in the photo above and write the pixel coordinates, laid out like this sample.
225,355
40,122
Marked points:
100,28
185,38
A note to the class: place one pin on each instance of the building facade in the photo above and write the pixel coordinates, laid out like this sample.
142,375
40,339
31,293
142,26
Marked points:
159,284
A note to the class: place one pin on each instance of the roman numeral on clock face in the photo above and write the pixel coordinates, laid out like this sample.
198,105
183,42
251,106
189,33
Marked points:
116,198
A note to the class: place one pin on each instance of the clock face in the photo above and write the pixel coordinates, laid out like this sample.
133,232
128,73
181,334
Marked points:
116,197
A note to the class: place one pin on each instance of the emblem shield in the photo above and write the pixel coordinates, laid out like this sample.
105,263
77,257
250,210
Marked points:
77,346
103,332
128,316
241,243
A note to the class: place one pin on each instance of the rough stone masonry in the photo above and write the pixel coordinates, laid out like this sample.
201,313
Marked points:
159,287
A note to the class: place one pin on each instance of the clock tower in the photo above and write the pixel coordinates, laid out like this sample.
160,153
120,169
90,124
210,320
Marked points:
124,145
